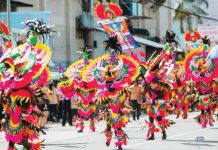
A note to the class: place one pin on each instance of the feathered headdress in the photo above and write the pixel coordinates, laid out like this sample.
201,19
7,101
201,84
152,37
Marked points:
192,37
170,37
85,54
113,44
198,67
5,34
28,63
37,28
112,11
206,40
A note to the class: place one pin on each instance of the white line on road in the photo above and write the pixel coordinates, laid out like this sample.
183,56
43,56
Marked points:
71,137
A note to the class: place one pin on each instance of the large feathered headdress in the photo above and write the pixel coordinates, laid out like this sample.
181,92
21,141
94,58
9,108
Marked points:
28,63
5,34
37,28
113,44
170,37
110,12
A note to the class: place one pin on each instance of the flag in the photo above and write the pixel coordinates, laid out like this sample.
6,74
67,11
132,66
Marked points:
119,28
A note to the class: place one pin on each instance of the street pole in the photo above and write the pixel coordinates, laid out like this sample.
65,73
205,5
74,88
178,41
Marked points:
9,14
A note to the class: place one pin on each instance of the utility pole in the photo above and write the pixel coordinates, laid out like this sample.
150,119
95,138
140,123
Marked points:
9,14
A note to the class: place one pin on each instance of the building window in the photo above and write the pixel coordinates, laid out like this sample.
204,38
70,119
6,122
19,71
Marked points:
95,45
86,5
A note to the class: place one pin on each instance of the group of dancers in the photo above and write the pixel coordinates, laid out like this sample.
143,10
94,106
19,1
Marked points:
103,83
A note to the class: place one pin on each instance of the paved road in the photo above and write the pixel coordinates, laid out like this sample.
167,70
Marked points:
181,136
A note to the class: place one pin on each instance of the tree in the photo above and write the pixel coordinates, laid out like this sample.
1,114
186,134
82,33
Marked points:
184,13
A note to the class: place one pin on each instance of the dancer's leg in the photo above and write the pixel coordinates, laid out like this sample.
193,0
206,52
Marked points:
121,138
150,134
81,124
108,133
92,123
11,145
26,144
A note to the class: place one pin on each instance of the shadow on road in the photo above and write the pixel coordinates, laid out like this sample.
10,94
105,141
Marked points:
198,144
68,145
194,143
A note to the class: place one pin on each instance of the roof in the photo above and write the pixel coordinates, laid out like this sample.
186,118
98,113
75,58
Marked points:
17,3
148,42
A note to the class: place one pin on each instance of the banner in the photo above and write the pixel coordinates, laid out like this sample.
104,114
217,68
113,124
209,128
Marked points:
119,27
210,31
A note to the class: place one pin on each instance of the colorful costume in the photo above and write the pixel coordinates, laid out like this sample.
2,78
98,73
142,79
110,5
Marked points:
85,90
203,71
181,94
5,43
158,89
114,72
20,69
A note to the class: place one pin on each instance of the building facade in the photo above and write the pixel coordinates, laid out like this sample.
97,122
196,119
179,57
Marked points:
76,27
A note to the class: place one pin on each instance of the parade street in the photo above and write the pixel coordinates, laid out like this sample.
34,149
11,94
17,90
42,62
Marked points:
184,135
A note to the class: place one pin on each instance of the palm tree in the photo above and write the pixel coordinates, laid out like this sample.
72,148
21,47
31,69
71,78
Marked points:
184,13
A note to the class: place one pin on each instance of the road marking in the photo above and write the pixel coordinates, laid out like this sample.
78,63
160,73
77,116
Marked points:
70,137
177,135
75,133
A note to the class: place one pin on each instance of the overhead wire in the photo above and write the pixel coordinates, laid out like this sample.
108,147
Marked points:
188,13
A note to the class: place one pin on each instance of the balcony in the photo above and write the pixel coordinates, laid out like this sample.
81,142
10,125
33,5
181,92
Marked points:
14,5
86,21
133,10
140,9
139,31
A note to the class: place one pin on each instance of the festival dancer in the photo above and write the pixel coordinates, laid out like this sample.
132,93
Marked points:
19,68
157,107
181,96
202,71
115,72
85,90
157,89
5,43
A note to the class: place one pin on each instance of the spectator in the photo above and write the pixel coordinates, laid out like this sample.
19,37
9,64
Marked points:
67,114
43,107
136,100
74,108
60,106
53,98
